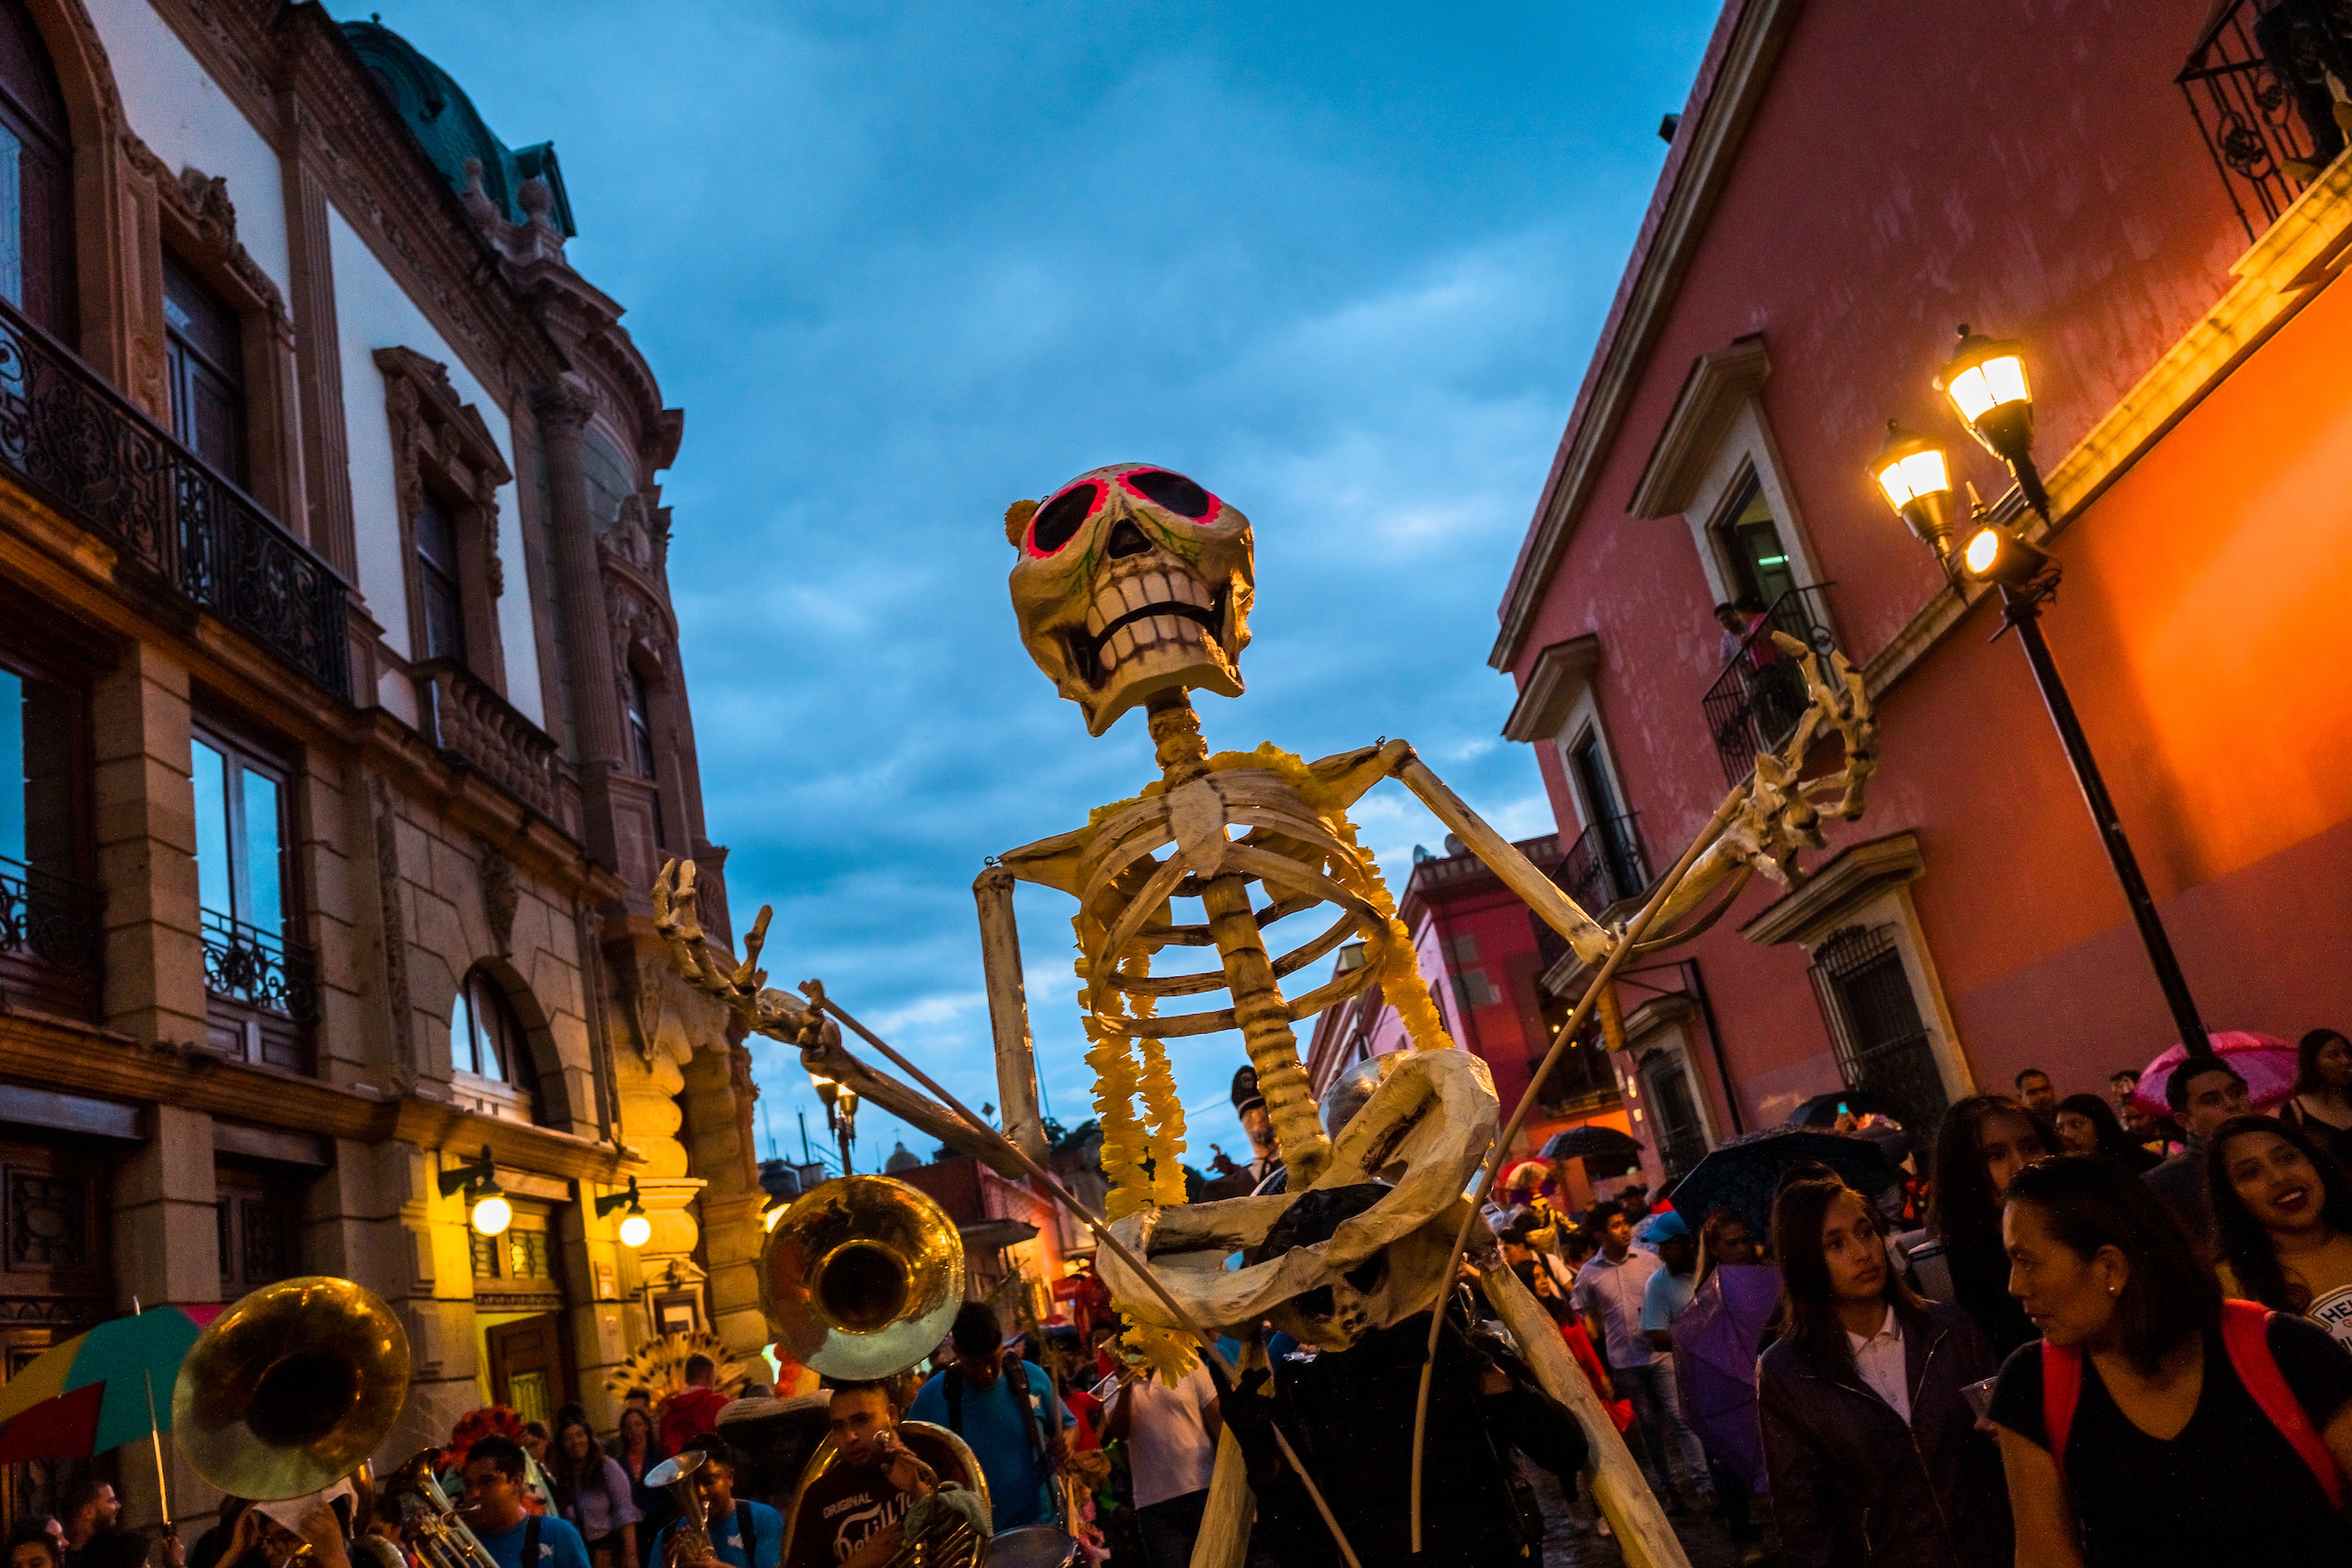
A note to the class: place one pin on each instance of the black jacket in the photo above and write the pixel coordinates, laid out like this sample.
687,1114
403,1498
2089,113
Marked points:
1854,1486
1350,1416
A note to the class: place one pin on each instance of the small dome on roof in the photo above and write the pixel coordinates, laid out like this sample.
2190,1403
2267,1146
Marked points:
451,131
900,1159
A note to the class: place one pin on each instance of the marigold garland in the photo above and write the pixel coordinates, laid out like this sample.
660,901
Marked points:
1128,1067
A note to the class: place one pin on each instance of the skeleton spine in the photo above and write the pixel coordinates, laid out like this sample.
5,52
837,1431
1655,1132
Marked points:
1259,1005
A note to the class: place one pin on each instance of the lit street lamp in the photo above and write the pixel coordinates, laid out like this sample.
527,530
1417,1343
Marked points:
486,1207
840,1113
1986,382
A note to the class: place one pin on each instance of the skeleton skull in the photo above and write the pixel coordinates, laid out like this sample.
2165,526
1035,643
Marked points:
1131,579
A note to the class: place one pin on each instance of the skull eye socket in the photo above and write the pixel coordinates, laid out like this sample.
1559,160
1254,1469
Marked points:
1059,520
1366,1275
1315,1302
1172,491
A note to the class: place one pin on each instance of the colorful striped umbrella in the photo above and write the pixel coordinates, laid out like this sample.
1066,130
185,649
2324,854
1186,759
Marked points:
89,1395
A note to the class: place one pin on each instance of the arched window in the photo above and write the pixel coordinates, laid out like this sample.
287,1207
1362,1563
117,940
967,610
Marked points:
36,214
485,1038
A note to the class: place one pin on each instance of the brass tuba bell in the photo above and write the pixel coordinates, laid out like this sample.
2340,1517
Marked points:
292,1388
861,1277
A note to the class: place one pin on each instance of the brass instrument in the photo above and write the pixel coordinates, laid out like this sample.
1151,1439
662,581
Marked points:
290,1389
437,1533
861,1277
691,1541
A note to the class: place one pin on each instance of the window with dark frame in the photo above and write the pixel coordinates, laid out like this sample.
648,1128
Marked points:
438,580
1883,1044
1754,551
641,747
259,976
204,361
36,202
486,1039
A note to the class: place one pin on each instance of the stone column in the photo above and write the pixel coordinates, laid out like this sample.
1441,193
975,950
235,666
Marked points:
167,1251
717,1137
562,408
146,818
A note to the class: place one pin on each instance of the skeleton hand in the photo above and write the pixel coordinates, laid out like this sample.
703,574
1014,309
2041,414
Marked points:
676,918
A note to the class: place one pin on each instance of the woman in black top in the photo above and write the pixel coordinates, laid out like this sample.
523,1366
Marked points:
1983,1143
2168,1460
638,1447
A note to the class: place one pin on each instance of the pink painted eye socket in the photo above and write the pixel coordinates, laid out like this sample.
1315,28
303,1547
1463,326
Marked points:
1171,491
1059,520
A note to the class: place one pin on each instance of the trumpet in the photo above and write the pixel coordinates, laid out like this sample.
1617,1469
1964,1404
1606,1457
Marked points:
691,1541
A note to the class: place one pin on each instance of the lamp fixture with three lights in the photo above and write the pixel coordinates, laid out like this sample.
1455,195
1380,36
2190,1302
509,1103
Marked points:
1985,381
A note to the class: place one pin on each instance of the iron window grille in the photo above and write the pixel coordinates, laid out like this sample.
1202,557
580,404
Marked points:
1754,703
73,440
1882,1047
1605,865
2265,85
1674,1118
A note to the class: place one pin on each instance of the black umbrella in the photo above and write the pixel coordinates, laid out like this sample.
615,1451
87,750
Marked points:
1596,1146
1744,1174
1821,1110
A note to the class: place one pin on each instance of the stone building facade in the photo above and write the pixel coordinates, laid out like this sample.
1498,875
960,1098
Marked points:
342,690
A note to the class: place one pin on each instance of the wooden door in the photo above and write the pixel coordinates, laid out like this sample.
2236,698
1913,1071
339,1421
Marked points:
527,1366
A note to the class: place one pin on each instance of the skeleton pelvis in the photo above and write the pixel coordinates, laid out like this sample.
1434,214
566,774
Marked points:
1425,1131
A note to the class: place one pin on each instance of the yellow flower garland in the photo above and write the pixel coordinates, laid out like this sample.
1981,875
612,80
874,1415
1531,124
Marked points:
1127,1067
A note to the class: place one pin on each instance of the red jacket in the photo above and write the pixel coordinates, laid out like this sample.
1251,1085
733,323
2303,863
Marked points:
688,1414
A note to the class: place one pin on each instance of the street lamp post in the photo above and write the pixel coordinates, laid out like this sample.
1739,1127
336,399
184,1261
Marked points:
1987,385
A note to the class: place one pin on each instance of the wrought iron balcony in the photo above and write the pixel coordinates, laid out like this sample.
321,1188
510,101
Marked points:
1605,865
262,994
2263,85
84,448
53,941
1756,700
465,718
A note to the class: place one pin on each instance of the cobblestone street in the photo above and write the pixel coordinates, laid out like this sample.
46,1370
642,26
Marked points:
1570,1540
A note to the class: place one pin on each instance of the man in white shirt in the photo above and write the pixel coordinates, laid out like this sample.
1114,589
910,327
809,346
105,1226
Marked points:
1172,1452
1609,1293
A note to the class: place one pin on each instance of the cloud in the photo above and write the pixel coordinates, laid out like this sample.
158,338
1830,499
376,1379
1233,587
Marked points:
902,265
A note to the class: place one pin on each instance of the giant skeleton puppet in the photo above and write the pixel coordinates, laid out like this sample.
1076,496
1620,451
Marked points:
1134,587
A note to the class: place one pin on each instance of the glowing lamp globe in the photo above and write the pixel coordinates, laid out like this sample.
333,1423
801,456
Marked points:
1913,474
492,1214
636,1230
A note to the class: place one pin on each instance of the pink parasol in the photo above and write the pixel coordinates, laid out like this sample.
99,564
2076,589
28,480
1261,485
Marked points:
2264,1061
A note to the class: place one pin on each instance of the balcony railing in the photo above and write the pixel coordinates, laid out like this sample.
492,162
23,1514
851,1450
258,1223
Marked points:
1760,696
262,994
1605,865
2263,85
464,717
82,446
53,941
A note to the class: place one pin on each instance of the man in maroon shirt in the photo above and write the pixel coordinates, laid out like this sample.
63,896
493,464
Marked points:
856,1509
694,1411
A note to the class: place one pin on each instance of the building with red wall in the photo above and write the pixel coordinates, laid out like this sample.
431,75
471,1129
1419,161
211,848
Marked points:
1848,182
1484,955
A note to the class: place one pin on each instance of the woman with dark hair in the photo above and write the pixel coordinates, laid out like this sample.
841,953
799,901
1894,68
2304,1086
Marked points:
637,1448
2088,1125
1872,1452
2322,1101
1983,1143
2283,1205
2155,1425
592,1491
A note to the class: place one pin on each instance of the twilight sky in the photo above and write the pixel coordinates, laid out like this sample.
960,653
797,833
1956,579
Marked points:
901,264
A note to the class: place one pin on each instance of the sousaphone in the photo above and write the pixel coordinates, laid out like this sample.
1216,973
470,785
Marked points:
861,1277
292,1388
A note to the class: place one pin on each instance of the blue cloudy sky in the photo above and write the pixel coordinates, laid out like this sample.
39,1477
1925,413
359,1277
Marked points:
901,264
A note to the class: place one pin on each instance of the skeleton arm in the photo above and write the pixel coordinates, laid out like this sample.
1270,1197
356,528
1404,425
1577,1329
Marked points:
1008,1011
781,1015
1553,907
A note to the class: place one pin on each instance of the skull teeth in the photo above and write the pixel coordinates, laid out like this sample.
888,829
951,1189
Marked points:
1126,596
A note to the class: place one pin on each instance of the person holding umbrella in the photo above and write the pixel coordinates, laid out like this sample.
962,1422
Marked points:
1874,1454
